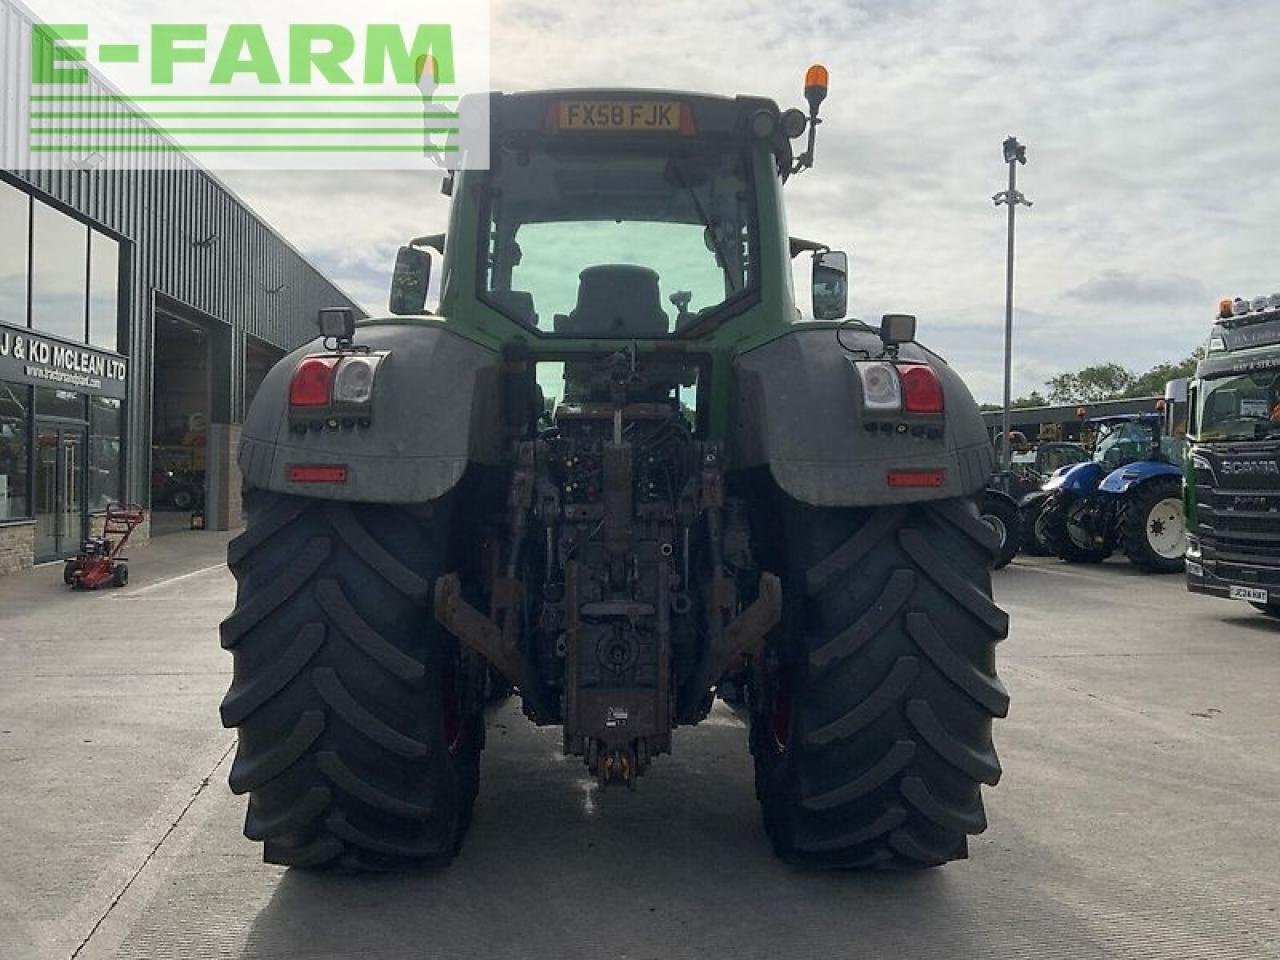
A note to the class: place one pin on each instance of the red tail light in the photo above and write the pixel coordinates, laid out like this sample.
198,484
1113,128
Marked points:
312,384
921,388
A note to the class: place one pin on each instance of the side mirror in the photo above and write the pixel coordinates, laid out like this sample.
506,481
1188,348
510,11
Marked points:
897,328
337,323
830,285
409,282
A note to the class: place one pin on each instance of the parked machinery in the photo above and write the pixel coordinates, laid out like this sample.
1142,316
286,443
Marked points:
1129,496
1233,475
725,490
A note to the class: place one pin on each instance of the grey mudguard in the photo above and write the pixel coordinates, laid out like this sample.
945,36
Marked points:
800,412
435,407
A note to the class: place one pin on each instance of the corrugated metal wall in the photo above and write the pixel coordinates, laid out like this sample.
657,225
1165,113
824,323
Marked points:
191,240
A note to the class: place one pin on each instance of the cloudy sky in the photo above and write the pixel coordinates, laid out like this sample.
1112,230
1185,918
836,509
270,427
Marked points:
1153,131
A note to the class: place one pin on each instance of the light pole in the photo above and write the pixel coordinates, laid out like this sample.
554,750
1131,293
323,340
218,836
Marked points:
1014,154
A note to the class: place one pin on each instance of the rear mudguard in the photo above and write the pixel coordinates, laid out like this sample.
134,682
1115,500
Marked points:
435,408
1124,479
799,413
1081,480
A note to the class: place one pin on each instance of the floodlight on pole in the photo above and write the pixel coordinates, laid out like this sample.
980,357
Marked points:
1015,153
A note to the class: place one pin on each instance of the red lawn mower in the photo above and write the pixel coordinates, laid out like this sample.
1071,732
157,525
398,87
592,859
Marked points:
99,561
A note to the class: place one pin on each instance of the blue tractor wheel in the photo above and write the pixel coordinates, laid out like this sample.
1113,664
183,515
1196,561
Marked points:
1151,525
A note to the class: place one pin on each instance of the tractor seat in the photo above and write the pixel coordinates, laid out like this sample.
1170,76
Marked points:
616,300
517,304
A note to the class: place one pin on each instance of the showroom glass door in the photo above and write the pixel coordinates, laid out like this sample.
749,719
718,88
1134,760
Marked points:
60,480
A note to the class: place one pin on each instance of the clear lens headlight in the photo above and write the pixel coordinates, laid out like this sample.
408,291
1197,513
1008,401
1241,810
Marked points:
354,381
881,388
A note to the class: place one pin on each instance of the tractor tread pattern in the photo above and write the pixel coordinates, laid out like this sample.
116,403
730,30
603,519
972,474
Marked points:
962,591
840,561
898,591
345,779
885,696
344,616
294,577
296,817
890,765
980,765
281,515
987,690
892,740
250,772
340,736
958,820
340,700
244,698
887,821
355,536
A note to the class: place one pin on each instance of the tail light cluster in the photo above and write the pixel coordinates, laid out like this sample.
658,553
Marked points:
900,387
337,382
333,391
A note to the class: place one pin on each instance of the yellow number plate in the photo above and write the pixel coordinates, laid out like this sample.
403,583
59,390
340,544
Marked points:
643,116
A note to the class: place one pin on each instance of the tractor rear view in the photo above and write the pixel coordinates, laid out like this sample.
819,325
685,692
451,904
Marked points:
614,469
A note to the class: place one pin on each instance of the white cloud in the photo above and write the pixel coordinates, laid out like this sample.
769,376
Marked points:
1150,126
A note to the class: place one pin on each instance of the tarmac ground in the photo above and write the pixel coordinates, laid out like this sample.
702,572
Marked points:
1139,814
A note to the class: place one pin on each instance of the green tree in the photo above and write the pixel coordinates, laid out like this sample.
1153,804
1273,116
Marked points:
1152,382
1102,381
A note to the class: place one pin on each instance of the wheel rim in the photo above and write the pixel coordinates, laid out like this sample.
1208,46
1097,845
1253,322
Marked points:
1166,530
996,524
1076,532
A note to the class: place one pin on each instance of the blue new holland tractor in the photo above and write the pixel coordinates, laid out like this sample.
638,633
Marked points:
1128,497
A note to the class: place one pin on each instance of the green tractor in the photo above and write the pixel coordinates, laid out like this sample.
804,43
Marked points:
614,470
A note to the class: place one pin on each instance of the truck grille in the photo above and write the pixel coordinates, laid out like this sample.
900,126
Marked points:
1238,517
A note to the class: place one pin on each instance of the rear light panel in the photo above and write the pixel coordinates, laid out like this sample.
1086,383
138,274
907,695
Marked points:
909,388
334,391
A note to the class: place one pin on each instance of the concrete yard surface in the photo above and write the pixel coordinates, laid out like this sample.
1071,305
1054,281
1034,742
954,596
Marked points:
1139,815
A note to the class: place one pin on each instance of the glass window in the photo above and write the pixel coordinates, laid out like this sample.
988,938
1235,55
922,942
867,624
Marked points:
14,243
1239,407
59,261
637,243
104,452
59,403
104,291
15,407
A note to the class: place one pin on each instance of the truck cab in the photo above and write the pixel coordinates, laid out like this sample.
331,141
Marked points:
1233,470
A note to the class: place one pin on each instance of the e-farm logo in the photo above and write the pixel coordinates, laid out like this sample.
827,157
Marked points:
377,94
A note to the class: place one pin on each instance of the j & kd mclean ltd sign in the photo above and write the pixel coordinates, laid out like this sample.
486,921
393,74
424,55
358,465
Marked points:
28,357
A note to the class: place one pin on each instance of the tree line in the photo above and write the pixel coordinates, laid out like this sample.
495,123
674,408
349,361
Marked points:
1105,381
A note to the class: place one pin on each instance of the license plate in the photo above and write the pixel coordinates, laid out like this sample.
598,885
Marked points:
642,116
1252,594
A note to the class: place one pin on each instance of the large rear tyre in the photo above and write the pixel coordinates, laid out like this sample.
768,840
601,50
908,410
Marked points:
871,728
359,731
1152,528
1032,544
1057,530
1001,515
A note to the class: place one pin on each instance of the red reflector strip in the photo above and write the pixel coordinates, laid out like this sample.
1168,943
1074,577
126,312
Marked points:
916,478
317,473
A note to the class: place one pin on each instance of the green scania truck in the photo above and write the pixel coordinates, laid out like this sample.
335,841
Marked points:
1232,489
